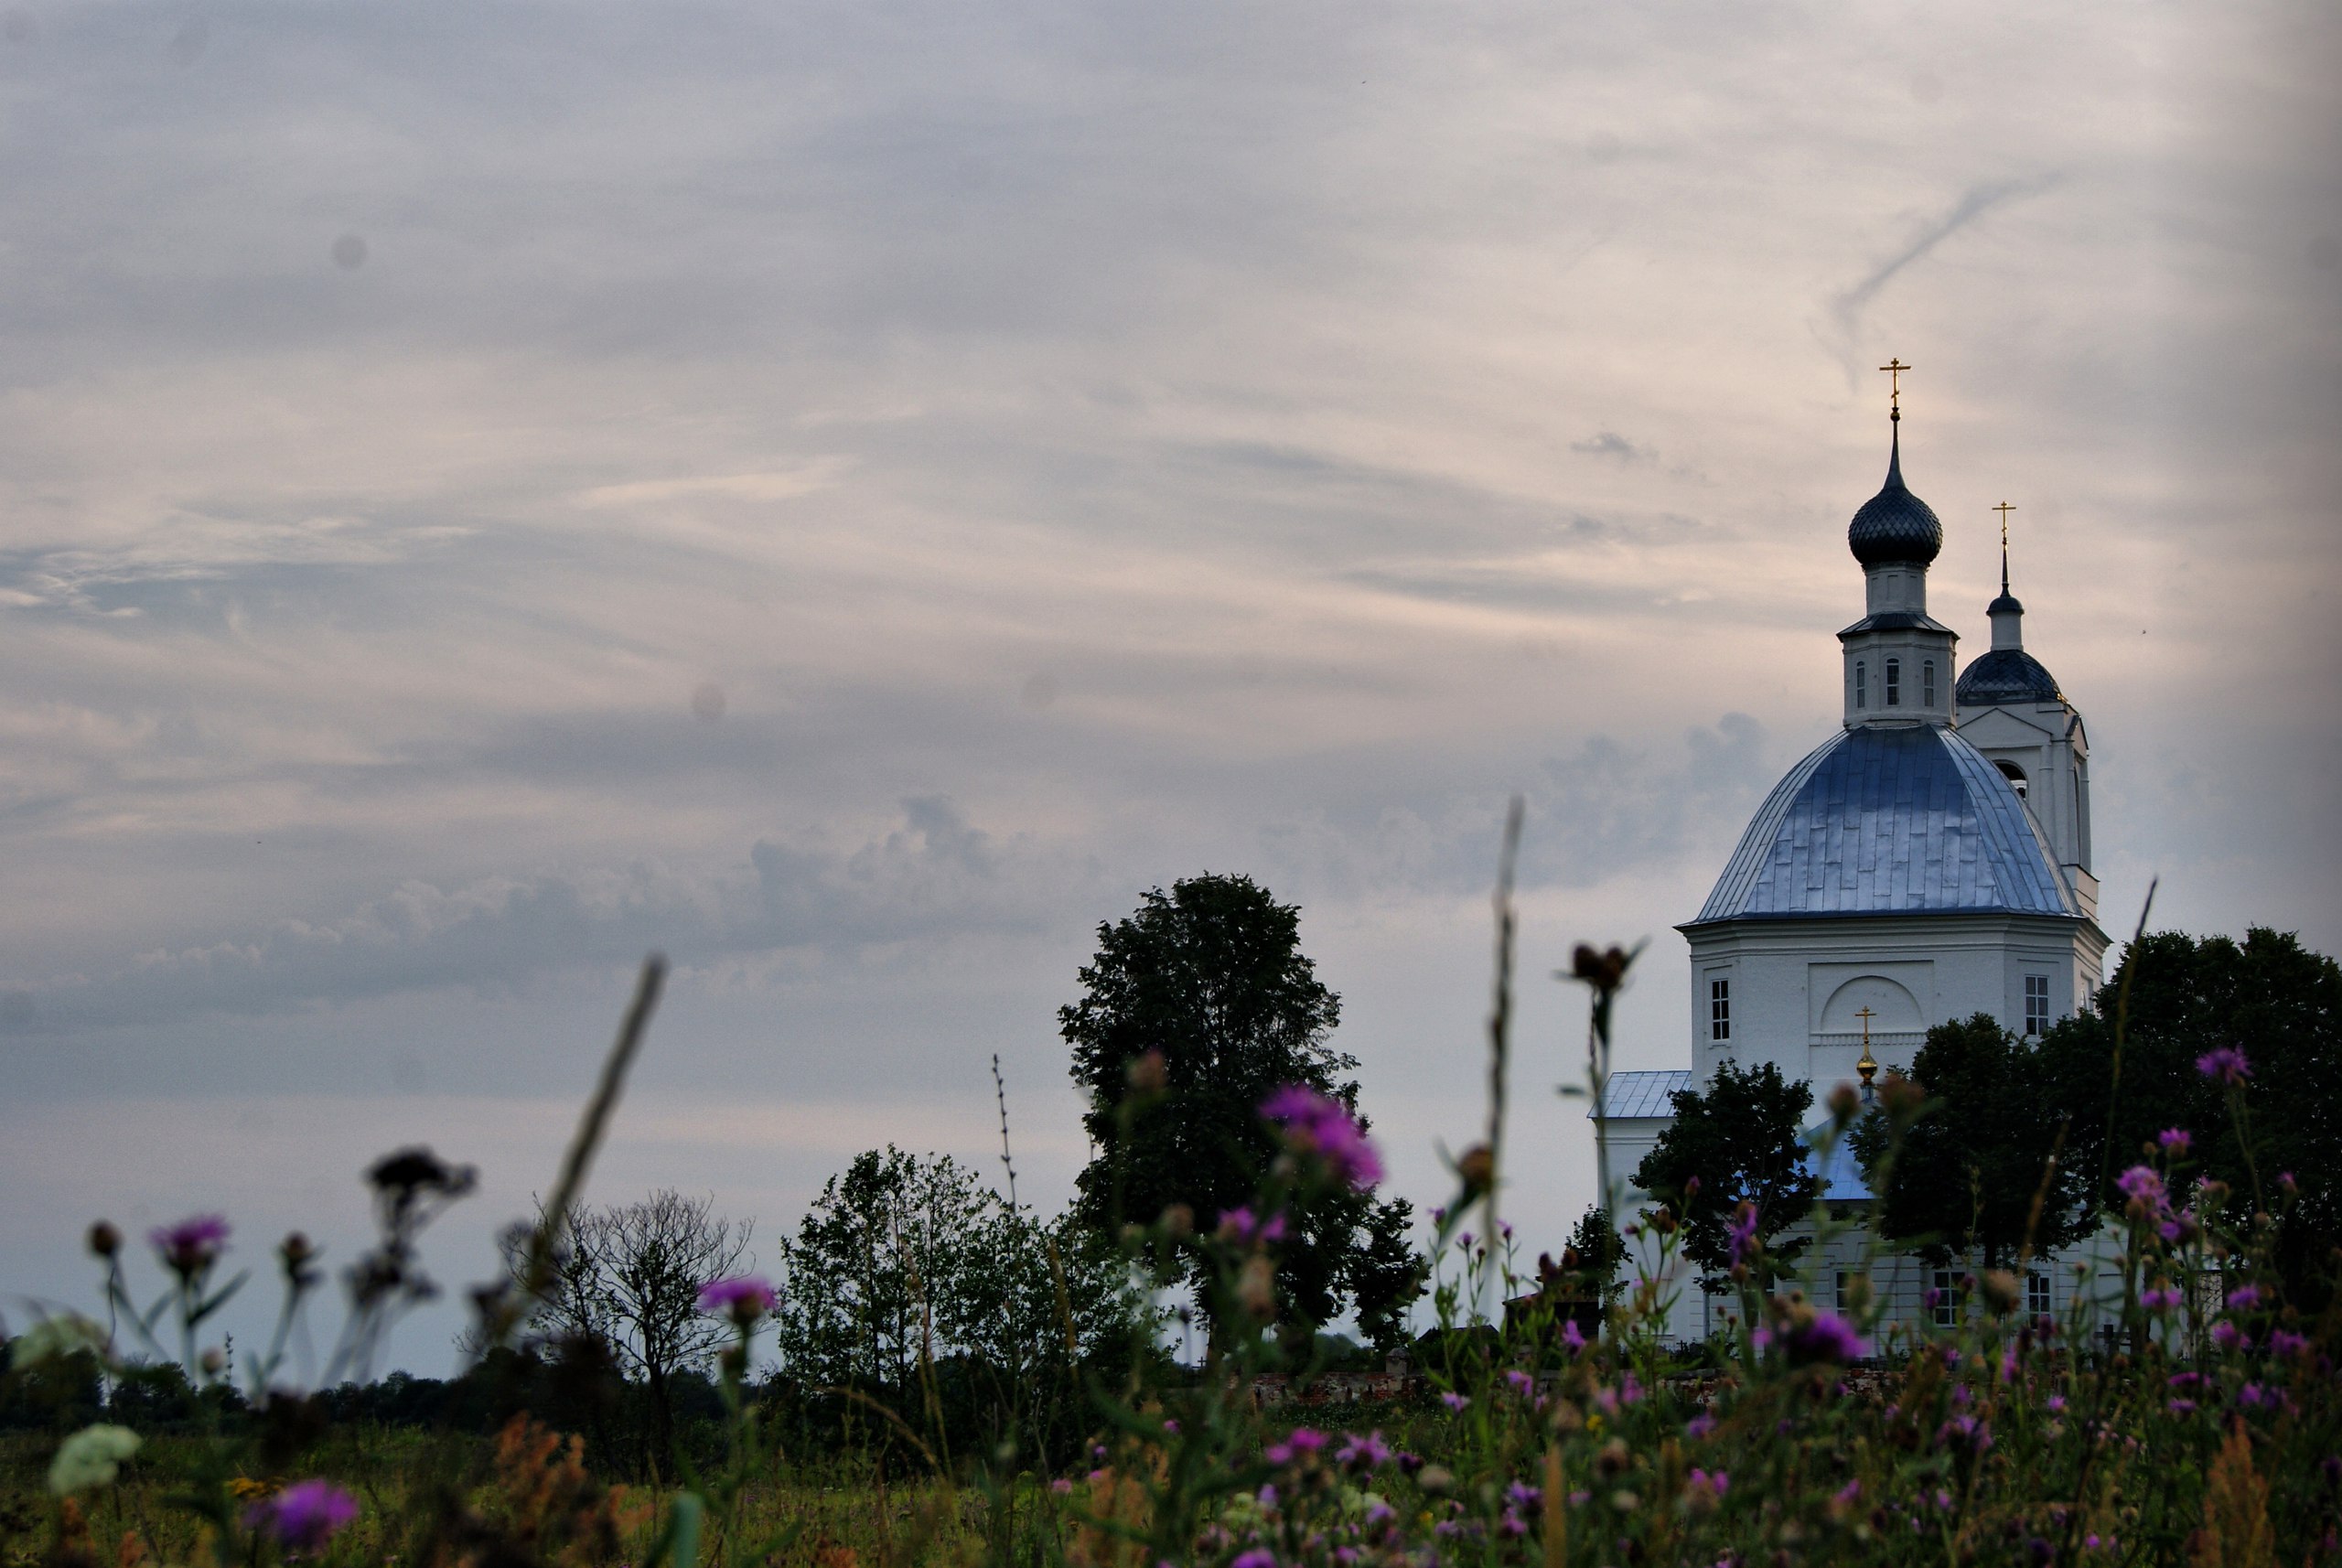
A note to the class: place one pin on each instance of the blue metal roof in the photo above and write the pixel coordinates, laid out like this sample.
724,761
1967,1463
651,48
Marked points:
1641,1093
1894,525
2005,675
1890,821
1840,1173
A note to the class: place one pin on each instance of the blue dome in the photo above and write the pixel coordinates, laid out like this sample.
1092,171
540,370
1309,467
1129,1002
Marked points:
1890,821
1894,525
2005,675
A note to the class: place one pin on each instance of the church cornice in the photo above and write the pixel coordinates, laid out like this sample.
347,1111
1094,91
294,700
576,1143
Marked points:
1895,620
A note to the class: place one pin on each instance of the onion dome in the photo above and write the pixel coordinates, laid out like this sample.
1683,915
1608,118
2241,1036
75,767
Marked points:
1895,526
2005,676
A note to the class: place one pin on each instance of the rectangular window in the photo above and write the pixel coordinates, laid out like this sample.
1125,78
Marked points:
1845,1290
1895,682
1861,693
1947,1293
1928,683
1719,1009
2037,1294
2036,1003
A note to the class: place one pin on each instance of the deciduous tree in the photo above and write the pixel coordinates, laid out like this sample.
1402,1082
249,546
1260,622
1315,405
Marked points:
1195,1009
1736,1141
1970,1171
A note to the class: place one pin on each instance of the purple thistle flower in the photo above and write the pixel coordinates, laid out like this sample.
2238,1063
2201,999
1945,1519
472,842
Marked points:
2285,1343
2159,1300
2244,1298
1259,1557
1520,1382
2174,1141
192,1245
1242,1225
303,1516
1367,1453
2226,1063
744,1298
2142,1183
1453,1401
1317,1124
1573,1336
1829,1338
1744,1232
2229,1337
1700,1426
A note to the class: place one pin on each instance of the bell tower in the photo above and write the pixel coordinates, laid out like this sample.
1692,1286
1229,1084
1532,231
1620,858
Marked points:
2012,710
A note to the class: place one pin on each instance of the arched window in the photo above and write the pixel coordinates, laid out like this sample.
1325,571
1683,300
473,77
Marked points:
2015,775
1928,684
1862,697
1895,682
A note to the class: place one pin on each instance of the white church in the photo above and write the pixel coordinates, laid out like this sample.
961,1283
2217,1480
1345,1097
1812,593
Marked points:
1929,862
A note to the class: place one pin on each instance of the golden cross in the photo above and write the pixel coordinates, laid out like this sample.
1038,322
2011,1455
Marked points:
1865,1014
1867,1067
2004,509
1895,369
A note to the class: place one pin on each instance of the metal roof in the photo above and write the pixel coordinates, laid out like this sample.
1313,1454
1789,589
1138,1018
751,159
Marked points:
1894,525
1642,1093
1890,821
1840,1173
2005,675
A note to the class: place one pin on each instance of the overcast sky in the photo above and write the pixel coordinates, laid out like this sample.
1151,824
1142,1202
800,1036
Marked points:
851,494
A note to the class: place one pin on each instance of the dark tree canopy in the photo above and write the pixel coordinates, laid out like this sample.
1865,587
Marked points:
1968,1170
1211,977
2269,996
1740,1138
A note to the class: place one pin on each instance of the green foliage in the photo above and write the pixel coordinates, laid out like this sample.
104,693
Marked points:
2279,1002
1209,982
918,1288
1972,1169
1595,1255
49,1393
1735,1141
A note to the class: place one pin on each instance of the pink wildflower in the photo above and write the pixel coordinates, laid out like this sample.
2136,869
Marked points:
744,1298
303,1516
2226,1063
192,1245
1318,1124
1744,1232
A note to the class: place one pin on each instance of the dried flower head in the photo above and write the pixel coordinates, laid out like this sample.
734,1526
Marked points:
104,1240
1604,969
1478,1166
1147,1073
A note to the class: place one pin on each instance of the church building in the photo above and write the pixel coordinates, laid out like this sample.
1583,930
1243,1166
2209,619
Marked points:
1927,862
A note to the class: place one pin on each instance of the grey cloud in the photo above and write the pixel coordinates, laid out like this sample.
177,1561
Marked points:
1610,443
932,873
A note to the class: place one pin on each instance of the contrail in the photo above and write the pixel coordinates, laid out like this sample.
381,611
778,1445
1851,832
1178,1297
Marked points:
1845,310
